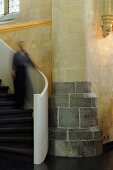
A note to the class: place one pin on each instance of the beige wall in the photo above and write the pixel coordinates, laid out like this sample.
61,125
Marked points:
68,40
100,67
38,39
32,10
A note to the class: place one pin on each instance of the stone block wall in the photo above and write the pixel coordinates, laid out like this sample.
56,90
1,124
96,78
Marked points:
73,121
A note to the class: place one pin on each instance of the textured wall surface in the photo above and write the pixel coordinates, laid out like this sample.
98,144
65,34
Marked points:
38,39
35,10
100,67
73,130
69,52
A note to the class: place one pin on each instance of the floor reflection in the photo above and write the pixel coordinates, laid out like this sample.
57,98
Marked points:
43,166
103,162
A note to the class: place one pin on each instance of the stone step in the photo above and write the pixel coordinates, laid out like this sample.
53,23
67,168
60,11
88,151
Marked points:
16,132
73,117
7,103
6,97
73,100
71,87
17,150
27,144
15,113
4,89
16,139
16,122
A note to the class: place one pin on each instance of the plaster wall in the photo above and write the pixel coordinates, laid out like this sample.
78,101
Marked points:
68,41
34,10
100,66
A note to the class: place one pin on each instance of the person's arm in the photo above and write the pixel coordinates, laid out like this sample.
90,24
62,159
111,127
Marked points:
31,62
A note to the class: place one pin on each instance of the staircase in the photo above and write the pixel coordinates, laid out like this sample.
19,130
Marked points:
16,126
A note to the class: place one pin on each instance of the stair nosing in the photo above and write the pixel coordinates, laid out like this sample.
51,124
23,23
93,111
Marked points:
15,120
15,129
17,150
13,111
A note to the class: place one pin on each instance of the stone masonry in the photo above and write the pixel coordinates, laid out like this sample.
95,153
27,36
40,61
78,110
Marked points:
73,121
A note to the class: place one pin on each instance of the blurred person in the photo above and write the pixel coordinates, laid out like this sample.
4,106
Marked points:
20,62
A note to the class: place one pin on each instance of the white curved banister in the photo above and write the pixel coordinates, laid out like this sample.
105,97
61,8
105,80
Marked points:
37,91
46,82
41,123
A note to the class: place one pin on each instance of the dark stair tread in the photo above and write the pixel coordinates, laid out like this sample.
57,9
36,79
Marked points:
18,114
6,95
21,150
16,139
26,119
16,129
4,87
7,103
13,111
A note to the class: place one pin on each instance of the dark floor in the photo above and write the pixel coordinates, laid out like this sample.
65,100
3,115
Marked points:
103,162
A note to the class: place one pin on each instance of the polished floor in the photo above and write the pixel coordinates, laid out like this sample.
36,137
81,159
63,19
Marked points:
103,162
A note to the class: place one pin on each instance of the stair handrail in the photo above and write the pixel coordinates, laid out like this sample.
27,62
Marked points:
45,79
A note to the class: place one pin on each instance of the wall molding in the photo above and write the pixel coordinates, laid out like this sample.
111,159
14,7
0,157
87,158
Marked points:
19,26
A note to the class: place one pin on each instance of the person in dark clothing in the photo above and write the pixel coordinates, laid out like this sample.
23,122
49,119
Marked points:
19,66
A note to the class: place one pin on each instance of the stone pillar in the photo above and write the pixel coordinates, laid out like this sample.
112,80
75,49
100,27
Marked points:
73,121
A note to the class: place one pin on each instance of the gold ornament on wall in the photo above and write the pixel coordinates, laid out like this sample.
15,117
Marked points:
107,18
107,25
